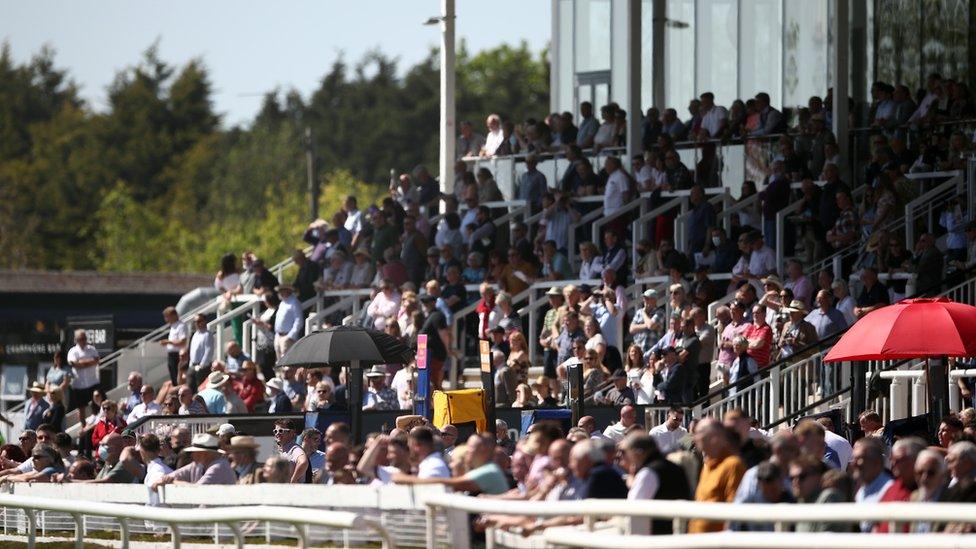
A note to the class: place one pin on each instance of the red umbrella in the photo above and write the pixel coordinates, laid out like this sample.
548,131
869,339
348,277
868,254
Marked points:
912,328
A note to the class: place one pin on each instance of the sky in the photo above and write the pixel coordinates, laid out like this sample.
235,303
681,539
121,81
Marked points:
249,46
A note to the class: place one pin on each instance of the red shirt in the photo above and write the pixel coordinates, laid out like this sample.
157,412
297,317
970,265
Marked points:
760,354
104,428
251,392
897,491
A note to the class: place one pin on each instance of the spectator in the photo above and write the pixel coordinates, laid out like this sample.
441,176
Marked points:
517,274
251,388
700,220
874,294
280,403
190,404
722,470
264,281
83,359
845,230
243,450
148,406
904,452
961,462
844,301
742,367
201,352
288,321
175,341
827,319
760,337
674,377
532,184
868,469
606,133
736,327
806,474
588,126
110,423
798,334
208,465
470,142
555,266
308,273
628,417
486,189
235,358
337,275
378,396
439,339
35,406
213,395
771,121
928,263
482,476
647,322
591,263
54,415
668,435
494,138
558,216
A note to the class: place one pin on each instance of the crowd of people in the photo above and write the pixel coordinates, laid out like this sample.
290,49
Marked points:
725,459
420,250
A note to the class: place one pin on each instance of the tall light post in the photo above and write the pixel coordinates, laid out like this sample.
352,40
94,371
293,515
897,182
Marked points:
446,21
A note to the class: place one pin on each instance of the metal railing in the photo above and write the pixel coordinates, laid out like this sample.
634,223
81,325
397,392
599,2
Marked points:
458,507
230,517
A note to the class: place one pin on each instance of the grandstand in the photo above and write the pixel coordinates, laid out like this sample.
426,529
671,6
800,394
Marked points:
651,271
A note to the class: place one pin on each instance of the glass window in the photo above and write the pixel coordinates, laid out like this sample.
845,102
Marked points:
565,52
899,56
679,61
761,57
946,37
592,35
805,51
716,65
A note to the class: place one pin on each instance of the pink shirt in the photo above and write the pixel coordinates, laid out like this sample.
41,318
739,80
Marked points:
726,356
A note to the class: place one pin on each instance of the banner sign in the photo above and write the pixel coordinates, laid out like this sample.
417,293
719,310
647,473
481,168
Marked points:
100,331
485,349
422,351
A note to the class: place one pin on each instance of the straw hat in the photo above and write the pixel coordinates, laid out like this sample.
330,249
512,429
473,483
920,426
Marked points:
244,442
774,280
36,388
216,380
204,442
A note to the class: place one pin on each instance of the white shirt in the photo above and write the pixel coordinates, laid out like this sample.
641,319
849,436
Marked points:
177,332
615,432
154,470
840,446
667,441
714,119
83,377
645,393
762,262
143,409
400,383
228,283
201,348
493,141
433,466
645,485
354,221
613,196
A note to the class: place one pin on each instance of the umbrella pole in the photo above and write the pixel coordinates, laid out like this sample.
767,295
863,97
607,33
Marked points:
937,382
355,400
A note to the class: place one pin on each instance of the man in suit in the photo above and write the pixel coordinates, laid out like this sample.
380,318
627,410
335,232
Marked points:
673,377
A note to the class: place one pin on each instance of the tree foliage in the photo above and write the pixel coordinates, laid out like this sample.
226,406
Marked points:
153,183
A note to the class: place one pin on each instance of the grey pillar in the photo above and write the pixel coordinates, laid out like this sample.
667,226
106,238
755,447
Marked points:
657,69
841,80
634,109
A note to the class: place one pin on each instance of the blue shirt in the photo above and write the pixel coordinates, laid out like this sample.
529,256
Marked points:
214,399
201,348
587,130
871,493
288,320
234,363
827,323
531,186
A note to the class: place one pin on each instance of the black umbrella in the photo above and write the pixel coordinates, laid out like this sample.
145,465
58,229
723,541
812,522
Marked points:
347,344
354,345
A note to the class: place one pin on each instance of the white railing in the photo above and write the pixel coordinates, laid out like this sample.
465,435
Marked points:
392,515
457,508
347,301
230,517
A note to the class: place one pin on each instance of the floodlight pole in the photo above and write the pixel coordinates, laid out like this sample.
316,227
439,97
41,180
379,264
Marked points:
447,97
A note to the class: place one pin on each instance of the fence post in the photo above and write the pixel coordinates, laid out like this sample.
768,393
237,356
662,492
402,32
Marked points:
774,386
898,399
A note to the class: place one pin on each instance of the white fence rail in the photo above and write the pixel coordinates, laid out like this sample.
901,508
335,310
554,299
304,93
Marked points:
340,515
458,508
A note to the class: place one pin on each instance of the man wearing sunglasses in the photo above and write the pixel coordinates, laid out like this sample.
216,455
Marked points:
285,432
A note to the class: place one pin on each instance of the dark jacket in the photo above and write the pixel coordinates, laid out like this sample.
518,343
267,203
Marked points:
673,485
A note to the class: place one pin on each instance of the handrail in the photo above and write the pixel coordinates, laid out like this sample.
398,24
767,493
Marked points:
926,199
679,509
725,216
583,220
637,226
681,221
604,219
297,517
575,537
781,232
